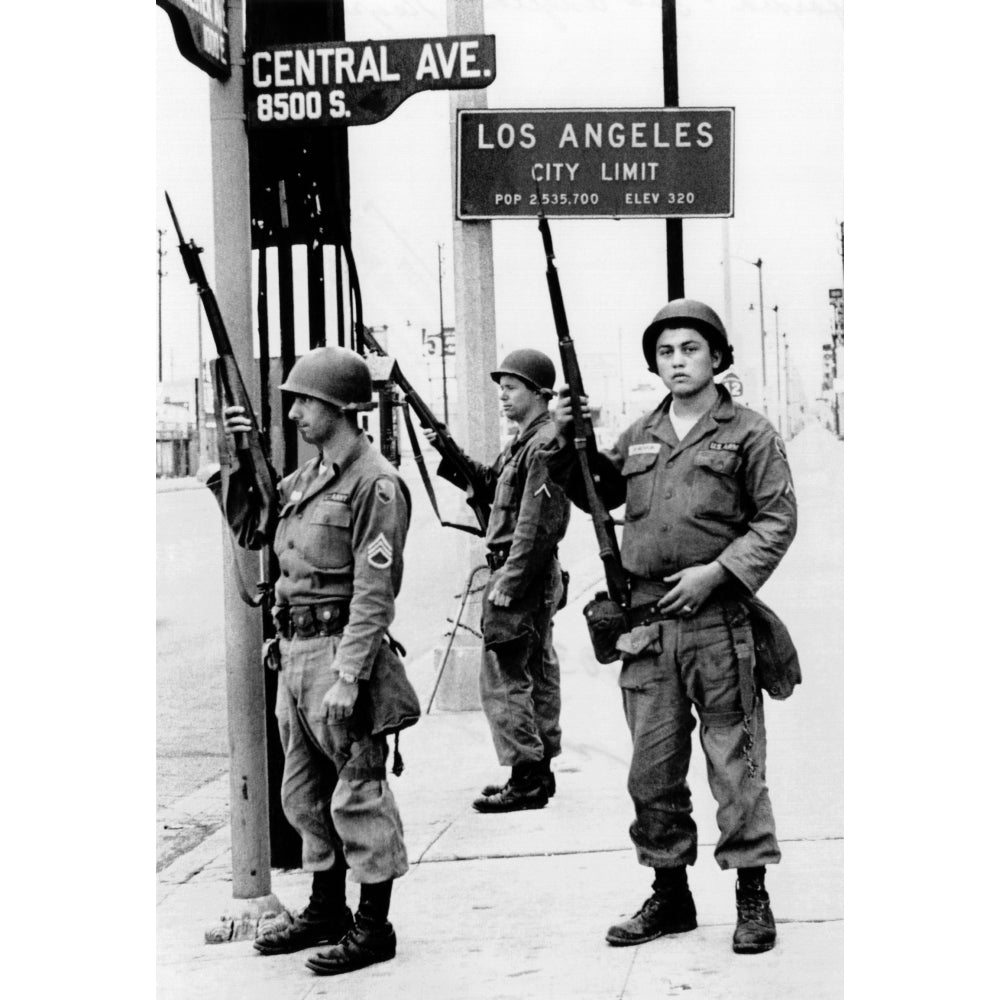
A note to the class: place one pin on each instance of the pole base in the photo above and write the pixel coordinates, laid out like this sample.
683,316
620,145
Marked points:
240,924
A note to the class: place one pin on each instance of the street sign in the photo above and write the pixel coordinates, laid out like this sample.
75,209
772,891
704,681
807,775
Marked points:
201,33
359,83
595,163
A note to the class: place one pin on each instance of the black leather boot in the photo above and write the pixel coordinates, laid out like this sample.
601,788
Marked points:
325,920
545,773
755,931
670,910
525,790
371,940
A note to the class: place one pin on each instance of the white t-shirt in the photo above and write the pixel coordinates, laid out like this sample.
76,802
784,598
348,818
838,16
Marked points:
681,424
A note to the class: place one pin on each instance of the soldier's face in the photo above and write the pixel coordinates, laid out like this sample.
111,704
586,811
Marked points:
515,398
314,419
684,361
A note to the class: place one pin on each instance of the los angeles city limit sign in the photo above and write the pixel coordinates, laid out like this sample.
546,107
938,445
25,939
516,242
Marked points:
595,163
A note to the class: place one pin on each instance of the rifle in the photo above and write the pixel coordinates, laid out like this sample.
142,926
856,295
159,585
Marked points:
443,442
251,509
586,451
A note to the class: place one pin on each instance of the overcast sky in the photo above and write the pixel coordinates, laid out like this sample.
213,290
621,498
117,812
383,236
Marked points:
777,62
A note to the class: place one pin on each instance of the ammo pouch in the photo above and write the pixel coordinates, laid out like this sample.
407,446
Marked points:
778,669
607,622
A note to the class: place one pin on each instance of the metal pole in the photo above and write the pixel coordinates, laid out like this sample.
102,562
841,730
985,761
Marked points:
160,254
671,99
251,852
444,369
788,419
759,264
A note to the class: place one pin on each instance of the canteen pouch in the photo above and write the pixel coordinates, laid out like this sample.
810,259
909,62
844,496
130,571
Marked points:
778,669
606,624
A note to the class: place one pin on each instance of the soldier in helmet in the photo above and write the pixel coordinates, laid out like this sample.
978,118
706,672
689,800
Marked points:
709,513
342,523
519,675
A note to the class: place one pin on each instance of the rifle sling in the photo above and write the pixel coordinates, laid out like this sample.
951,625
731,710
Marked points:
425,476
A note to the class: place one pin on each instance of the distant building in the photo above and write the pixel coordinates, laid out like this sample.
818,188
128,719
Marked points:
184,440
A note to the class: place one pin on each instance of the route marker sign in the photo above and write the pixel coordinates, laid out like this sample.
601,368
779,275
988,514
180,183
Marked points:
595,163
359,83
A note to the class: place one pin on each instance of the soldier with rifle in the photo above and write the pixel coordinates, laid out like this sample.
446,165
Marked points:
709,513
342,520
519,675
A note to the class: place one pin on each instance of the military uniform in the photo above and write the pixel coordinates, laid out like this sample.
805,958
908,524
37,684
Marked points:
724,493
519,678
339,545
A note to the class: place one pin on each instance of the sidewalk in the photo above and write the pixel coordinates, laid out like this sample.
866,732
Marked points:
516,905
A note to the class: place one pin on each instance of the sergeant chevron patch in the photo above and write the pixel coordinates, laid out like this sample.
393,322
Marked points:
380,552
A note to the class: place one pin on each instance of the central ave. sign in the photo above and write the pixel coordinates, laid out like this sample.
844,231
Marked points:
359,83
596,163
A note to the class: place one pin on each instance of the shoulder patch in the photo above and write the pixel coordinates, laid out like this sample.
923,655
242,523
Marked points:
380,552
649,448
385,490
779,447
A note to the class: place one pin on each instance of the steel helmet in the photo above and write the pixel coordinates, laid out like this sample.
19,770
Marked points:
530,366
682,312
333,374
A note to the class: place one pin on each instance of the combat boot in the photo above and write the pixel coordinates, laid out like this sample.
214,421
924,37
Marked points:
670,910
371,939
325,920
548,780
755,931
525,790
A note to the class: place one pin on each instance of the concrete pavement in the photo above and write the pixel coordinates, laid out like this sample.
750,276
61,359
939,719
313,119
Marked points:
516,905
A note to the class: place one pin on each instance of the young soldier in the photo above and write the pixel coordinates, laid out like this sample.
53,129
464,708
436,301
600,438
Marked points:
519,676
339,540
709,513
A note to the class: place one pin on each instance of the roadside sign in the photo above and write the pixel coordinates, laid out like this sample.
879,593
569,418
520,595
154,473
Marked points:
359,83
201,33
595,163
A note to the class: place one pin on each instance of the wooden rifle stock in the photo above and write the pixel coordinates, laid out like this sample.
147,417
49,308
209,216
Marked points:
584,440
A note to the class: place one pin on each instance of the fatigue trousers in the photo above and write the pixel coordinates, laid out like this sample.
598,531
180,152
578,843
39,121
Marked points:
334,789
519,674
672,666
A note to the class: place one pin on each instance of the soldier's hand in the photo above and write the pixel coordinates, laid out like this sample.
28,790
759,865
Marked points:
500,597
339,700
236,421
692,587
562,410
430,434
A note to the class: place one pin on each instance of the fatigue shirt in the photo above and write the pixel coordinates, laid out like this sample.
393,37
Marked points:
722,494
340,537
528,511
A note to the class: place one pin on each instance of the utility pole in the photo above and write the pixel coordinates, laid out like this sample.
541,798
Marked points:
788,396
671,99
245,701
759,264
777,368
444,368
160,254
